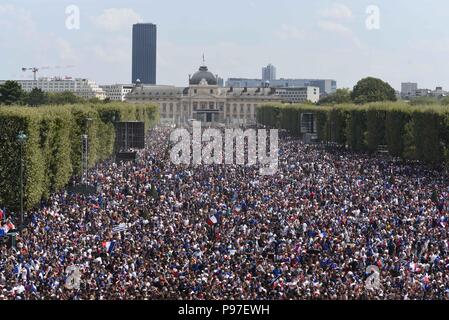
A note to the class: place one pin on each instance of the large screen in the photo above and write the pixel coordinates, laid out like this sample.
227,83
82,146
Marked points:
129,135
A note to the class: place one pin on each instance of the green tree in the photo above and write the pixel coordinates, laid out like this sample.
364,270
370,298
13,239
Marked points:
424,101
11,93
372,90
338,97
445,101
94,100
52,151
66,97
36,97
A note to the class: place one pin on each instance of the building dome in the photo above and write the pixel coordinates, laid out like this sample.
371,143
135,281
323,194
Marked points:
203,73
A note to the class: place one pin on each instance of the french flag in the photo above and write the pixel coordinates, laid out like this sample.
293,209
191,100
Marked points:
212,220
7,227
109,245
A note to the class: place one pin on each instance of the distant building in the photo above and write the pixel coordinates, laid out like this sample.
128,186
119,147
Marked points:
327,86
220,82
83,88
269,73
421,93
408,89
439,93
243,83
144,53
204,100
117,92
299,95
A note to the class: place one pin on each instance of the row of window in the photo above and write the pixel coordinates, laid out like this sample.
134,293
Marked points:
157,93
234,109
240,116
136,98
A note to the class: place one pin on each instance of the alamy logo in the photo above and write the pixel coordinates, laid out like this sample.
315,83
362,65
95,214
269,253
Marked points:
372,21
189,149
72,21
372,282
73,279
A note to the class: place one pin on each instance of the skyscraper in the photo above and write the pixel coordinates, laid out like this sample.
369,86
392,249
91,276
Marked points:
269,73
144,53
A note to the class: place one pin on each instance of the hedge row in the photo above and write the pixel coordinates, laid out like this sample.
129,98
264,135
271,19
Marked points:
52,151
411,132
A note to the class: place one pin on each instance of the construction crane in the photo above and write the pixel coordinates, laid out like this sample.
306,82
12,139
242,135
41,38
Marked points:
36,69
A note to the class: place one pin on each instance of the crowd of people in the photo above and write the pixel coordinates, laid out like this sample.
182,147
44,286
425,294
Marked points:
313,230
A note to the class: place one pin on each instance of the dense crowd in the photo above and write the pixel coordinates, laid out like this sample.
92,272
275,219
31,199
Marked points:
161,231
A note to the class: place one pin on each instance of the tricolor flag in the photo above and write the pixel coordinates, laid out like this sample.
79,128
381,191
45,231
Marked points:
414,267
7,227
212,220
109,245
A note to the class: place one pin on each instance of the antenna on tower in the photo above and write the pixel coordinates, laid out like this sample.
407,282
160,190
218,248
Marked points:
204,62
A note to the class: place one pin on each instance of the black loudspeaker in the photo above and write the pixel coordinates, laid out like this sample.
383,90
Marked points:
9,240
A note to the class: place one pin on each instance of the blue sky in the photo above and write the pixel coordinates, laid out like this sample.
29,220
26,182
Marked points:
303,39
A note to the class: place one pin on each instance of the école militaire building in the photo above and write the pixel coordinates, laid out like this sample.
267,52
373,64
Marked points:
206,101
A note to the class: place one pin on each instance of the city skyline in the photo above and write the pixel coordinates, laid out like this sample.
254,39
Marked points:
323,39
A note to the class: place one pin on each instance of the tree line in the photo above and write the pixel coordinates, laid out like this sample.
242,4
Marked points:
409,132
52,149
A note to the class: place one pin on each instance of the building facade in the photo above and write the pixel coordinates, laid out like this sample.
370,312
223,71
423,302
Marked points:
327,86
204,100
299,95
439,93
117,92
243,83
144,53
269,73
84,88
408,89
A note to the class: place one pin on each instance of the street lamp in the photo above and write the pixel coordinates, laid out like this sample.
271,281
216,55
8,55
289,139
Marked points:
85,152
21,137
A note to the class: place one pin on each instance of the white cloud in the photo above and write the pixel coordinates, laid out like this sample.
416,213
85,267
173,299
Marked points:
288,32
116,19
336,11
341,30
6,8
65,50
334,27
15,18
115,50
